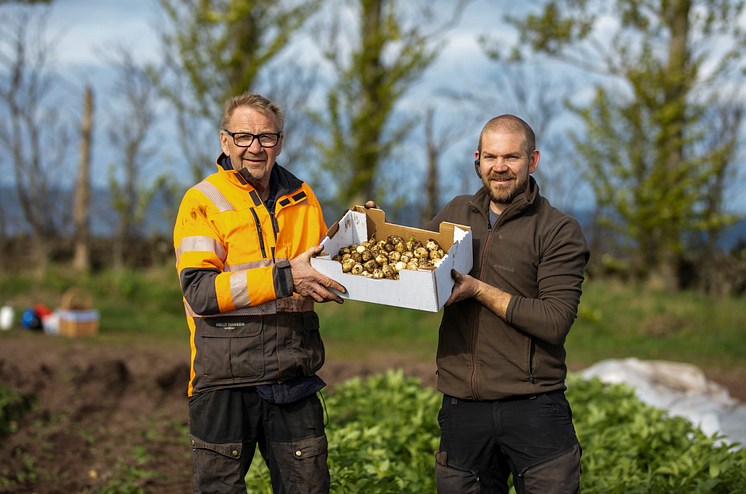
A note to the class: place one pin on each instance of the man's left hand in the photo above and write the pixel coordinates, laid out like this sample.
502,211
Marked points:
464,286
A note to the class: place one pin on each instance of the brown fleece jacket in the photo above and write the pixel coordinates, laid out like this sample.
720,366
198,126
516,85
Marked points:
537,254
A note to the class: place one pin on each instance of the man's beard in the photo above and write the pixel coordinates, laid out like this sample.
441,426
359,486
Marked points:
506,194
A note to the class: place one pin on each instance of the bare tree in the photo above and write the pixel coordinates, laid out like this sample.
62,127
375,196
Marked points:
128,133
81,213
530,93
34,135
436,142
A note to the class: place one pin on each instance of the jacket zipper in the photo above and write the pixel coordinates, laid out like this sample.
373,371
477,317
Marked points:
259,231
476,310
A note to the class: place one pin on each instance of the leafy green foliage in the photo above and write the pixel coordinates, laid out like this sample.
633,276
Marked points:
660,142
630,447
388,54
12,407
383,430
382,433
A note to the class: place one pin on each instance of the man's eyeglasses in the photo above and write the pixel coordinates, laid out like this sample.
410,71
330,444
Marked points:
244,139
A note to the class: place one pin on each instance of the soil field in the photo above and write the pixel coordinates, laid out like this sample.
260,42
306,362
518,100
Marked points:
103,412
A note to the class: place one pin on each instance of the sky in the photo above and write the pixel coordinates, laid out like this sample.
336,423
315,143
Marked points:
87,27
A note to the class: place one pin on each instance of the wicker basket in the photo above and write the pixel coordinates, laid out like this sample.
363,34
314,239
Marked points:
76,315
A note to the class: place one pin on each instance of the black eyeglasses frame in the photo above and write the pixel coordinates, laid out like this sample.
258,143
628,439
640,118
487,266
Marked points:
253,138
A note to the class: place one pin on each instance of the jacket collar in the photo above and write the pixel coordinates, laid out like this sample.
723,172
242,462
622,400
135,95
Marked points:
285,181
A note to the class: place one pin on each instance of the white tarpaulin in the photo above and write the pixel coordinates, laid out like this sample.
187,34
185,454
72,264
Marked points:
682,390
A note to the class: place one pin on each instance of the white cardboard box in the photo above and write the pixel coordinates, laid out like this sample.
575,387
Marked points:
426,290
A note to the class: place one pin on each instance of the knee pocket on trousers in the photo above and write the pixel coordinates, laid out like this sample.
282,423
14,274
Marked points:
560,475
449,480
302,464
229,450
217,467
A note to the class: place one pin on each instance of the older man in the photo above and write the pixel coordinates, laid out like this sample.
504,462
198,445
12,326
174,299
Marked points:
243,240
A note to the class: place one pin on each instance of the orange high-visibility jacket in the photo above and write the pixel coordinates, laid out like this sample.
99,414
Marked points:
232,255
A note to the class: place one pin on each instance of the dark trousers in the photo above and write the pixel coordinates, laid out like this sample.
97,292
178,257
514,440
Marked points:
483,442
226,426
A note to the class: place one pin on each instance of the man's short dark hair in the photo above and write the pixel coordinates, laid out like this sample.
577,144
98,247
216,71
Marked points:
509,124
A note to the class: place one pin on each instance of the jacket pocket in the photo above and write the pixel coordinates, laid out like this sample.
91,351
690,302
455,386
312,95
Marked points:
312,347
232,349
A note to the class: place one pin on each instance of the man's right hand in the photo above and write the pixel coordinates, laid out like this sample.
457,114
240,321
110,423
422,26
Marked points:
309,282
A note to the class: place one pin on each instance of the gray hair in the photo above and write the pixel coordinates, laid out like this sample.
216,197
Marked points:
255,102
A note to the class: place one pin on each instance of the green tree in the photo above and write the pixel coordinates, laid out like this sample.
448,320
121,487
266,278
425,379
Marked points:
215,49
647,148
374,67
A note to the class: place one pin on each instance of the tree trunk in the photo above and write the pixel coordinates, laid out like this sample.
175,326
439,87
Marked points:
81,211
665,273
368,125
432,193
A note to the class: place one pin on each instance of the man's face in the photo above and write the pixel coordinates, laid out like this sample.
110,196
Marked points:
505,167
257,160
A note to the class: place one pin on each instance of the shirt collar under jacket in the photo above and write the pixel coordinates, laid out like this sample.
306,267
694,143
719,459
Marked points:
519,204
224,162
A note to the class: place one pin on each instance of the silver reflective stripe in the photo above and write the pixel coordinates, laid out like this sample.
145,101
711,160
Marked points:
217,197
249,265
188,310
201,244
239,290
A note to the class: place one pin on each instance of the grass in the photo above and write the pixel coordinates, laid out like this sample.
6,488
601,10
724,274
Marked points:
354,330
615,320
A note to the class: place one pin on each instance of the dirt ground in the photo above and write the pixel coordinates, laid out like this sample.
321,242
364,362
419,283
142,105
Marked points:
106,412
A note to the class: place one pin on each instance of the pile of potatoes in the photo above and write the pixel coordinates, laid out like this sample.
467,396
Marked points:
385,258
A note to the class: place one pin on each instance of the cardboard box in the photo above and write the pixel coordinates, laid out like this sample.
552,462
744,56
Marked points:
426,290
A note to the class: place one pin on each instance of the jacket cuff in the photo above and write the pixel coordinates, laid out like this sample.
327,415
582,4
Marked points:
282,277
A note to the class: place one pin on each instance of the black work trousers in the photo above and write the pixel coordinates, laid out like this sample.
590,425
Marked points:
226,426
483,442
